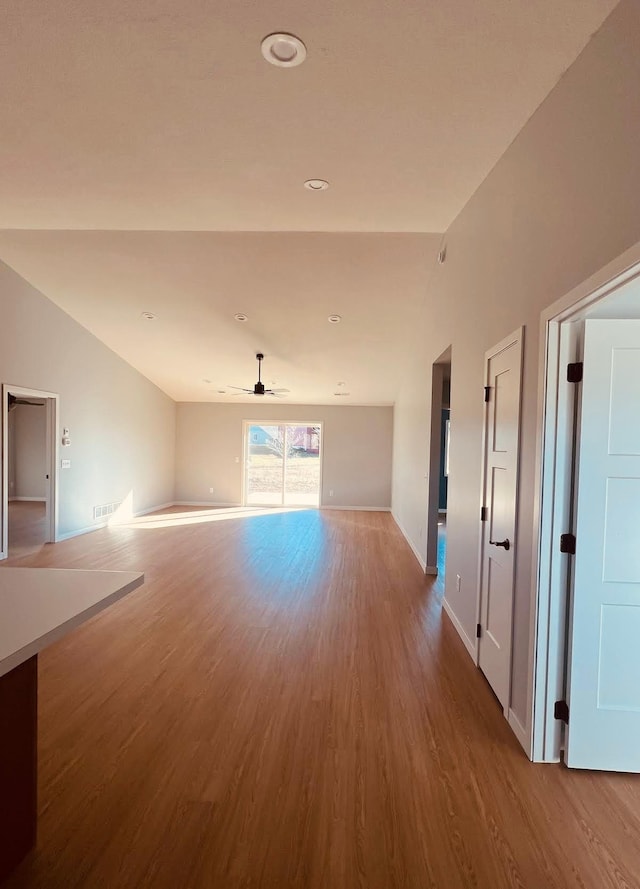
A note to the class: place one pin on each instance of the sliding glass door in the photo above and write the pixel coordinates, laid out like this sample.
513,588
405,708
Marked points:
282,464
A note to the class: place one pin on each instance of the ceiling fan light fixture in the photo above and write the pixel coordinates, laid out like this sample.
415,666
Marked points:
283,50
316,184
334,319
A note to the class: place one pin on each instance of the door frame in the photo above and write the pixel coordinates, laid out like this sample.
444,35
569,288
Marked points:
245,457
560,344
517,336
51,400
435,453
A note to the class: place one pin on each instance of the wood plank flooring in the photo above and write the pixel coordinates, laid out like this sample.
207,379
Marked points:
283,704
27,527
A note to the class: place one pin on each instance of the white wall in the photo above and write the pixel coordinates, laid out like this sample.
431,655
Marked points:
357,445
29,452
560,204
122,426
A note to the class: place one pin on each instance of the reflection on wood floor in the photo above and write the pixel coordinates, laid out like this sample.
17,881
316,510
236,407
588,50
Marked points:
27,531
283,704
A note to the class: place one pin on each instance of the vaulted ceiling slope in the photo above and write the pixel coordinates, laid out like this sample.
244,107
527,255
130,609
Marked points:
286,284
151,160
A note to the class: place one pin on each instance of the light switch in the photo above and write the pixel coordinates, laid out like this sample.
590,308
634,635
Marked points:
66,464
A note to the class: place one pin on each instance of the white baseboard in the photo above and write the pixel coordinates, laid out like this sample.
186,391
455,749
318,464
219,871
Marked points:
469,644
212,504
520,732
30,499
414,549
67,535
154,509
358,508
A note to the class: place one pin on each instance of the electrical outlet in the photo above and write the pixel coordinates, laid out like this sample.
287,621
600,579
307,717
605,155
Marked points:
211,490
458,582
330,492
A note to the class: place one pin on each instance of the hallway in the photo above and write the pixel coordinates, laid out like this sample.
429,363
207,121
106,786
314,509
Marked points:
283,705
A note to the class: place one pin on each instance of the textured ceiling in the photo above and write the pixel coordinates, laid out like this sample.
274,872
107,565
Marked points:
151,159
287,284
159,114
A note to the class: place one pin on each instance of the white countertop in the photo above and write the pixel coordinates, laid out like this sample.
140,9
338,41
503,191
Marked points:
40,605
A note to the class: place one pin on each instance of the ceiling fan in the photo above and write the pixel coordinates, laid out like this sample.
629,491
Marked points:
14,402
259,388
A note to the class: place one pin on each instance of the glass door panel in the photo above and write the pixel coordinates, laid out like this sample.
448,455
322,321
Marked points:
302,466
265,465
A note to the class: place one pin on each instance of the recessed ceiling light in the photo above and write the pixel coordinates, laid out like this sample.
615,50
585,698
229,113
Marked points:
240,316
148,316
316,184
334,319
283,50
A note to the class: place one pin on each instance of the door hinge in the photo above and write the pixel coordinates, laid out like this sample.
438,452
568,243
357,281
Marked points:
561,711
487,393
568,544
575,371
483,513
478,631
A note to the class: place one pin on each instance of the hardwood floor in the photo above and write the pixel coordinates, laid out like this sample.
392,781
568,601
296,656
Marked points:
27,531
283,704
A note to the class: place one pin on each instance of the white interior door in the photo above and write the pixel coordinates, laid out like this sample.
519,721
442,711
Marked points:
604,660
503,367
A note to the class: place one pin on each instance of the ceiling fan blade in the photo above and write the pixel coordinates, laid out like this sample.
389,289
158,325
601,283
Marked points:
240,389
274,394
279,390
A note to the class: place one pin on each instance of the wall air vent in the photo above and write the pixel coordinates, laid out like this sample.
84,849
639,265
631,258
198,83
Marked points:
103,512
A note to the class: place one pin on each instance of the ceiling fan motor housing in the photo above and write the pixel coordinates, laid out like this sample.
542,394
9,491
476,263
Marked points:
258,389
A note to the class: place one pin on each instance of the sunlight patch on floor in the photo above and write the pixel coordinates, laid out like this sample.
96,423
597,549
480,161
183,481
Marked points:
176,519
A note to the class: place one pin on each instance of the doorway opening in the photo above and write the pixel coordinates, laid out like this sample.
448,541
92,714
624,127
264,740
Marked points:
589,465
28,481
439,464
283,464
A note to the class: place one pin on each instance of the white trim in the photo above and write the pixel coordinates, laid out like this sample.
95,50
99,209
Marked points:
550,497
519,731
468,643
153,509
413,547
210,503
358,508
515,338
52,437
67,535
29,499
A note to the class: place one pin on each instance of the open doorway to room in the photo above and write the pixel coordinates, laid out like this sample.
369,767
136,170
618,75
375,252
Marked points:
283,464
584,680
439,464
29,514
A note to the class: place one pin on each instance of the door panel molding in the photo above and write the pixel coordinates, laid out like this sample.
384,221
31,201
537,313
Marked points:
500,475
559,345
